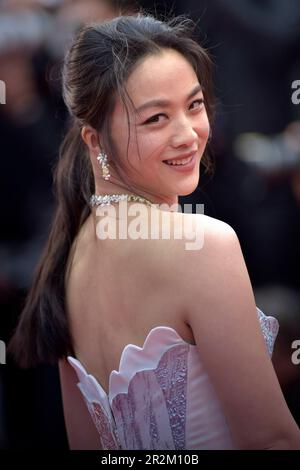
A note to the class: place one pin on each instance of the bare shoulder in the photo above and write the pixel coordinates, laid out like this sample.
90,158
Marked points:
221,312
199,246
189,247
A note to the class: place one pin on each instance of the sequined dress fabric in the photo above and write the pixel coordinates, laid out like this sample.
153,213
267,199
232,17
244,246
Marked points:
161,397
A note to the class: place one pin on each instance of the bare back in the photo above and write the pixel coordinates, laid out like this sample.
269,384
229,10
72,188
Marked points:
117,291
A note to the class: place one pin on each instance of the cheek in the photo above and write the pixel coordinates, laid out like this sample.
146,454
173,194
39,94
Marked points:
204,127
124,139
149,144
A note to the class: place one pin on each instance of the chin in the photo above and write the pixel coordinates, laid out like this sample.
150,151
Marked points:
188,188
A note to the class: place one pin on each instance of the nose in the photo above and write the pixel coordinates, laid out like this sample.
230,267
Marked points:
184,134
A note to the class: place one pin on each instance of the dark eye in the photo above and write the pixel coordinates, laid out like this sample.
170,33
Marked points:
153,118
200,101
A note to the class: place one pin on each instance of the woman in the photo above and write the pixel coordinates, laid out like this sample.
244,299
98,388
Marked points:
166,343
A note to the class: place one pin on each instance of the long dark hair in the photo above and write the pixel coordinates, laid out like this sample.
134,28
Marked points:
95,70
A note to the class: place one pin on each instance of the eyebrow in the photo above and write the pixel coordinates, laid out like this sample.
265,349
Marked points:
165,103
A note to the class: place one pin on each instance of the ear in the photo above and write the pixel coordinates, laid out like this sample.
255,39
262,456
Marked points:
91,139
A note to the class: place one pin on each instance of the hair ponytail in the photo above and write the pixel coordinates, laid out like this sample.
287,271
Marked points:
42,335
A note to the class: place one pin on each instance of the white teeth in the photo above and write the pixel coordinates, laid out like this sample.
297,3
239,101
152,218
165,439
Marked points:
179,162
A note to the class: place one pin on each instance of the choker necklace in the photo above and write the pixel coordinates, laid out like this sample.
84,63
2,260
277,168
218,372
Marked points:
107,199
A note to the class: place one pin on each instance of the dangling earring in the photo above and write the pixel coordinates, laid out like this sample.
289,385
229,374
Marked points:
102,159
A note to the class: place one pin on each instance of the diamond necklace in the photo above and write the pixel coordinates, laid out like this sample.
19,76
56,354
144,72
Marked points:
107,199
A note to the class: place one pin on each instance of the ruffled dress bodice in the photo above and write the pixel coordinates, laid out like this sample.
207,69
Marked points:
161,397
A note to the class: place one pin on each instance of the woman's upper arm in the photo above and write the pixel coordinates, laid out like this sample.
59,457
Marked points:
81,431
222,314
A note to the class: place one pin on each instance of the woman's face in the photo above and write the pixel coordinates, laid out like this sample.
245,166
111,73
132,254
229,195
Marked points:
162,131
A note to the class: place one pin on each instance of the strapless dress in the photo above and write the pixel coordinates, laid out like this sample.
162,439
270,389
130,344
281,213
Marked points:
161,397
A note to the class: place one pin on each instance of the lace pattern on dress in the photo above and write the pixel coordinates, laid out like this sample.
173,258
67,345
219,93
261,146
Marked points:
269,326
151,415
105,428
171,375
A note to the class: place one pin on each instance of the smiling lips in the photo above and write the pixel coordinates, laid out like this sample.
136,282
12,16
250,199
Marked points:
181,161
183,164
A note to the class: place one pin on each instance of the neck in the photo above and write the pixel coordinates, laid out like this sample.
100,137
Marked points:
107,187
